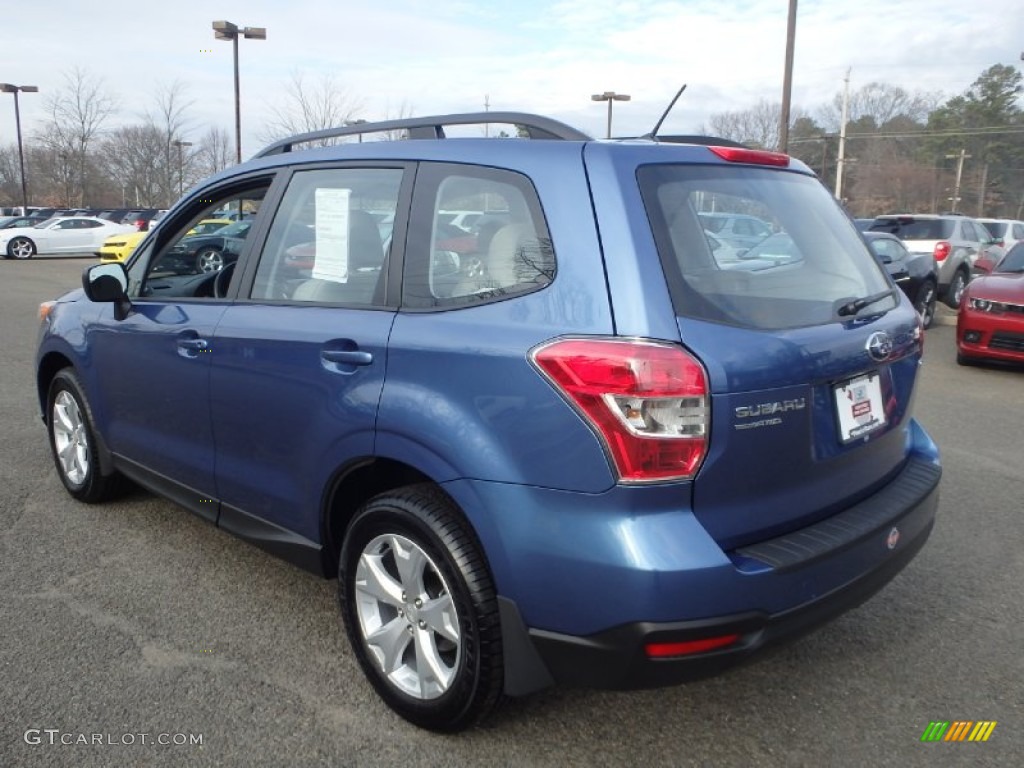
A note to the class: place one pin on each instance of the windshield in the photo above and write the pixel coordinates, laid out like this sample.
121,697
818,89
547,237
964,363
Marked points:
1013,261
238,229
786,255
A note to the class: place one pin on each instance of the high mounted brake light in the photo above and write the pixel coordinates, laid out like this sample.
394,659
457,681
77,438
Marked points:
647,401
753,156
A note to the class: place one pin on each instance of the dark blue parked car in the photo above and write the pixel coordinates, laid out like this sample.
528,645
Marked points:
585,447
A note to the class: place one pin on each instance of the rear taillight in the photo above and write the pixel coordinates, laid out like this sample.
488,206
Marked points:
942,249
754,156
647,401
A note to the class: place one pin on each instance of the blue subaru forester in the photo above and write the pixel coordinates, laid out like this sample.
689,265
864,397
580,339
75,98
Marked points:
580,440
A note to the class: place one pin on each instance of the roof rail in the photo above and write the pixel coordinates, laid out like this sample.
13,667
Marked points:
536,127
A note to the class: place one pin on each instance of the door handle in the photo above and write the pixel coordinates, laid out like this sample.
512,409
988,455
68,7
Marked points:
347,356
191,348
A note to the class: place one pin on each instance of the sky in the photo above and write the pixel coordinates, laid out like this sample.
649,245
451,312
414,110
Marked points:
430,58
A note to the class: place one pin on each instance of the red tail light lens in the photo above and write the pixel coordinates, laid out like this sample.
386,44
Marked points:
942,249
667,650
647,401
755,156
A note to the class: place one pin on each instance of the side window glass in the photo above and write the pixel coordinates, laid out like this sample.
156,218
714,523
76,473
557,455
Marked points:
505,251
330,236
1018,231
189,263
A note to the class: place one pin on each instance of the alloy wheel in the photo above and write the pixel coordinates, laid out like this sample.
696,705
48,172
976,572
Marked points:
407,616
69,438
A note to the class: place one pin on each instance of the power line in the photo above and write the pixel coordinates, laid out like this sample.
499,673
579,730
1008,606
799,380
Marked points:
935,133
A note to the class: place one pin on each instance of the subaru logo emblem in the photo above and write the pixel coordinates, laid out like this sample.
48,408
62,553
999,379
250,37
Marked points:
894,538
879,346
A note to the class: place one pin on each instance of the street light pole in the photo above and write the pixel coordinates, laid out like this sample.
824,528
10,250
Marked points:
15,89
610,96
181,164
225,30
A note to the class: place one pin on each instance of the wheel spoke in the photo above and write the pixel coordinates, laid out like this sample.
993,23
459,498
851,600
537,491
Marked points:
439,615
430,667
62,418
410,561
389,642
372,579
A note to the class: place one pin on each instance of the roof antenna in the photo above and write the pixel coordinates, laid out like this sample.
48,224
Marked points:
654,131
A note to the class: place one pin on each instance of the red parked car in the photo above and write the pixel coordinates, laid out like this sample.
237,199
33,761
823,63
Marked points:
990,323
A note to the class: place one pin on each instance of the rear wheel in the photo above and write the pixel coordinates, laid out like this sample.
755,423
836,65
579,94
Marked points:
955,293
21,248
73,441
925,303
420,609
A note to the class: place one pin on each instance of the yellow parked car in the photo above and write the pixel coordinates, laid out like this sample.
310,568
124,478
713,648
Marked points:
206,226
120,247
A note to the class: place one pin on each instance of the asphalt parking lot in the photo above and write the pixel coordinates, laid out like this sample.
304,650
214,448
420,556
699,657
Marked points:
137,618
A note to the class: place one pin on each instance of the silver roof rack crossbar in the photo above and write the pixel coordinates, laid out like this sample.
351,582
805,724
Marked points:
535,126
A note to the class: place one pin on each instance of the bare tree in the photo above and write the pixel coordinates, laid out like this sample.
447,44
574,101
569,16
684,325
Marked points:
76,114
169,118
882,103
131,154
214,152
757,126
311,108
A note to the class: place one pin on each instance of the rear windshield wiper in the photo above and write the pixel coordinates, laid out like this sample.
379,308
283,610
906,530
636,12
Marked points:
855,306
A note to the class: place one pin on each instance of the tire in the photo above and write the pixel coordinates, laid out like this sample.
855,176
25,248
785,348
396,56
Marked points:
964,360
21,248
70,426
924,303
956,288
408,549
209,260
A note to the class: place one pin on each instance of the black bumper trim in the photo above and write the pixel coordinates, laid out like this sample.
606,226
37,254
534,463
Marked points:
799,548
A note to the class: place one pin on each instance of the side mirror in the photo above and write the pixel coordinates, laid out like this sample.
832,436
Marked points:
108,283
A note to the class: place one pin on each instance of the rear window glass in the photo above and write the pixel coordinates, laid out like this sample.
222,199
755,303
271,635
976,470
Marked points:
795,260
914,229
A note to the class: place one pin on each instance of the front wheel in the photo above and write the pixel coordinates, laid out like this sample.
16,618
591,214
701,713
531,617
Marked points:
955,292
209,260
73,441
420,609
21,248
925,303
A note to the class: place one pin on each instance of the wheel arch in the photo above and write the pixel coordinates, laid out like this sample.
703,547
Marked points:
351,487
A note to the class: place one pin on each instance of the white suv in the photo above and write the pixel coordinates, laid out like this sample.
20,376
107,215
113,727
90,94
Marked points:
1006,232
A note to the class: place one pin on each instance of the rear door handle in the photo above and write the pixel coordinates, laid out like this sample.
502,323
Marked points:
347,356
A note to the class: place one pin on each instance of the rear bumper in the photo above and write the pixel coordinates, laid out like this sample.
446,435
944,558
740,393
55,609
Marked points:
764,595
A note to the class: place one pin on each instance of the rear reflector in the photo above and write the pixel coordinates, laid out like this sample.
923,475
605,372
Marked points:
666,650
648,402
753,156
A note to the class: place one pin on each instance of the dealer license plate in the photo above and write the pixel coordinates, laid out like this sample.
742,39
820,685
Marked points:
859,407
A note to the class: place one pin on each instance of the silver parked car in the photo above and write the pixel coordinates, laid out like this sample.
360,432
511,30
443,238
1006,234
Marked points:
955,241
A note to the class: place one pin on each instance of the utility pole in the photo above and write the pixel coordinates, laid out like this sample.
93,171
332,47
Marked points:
959,174
487,108
787,78
841,161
